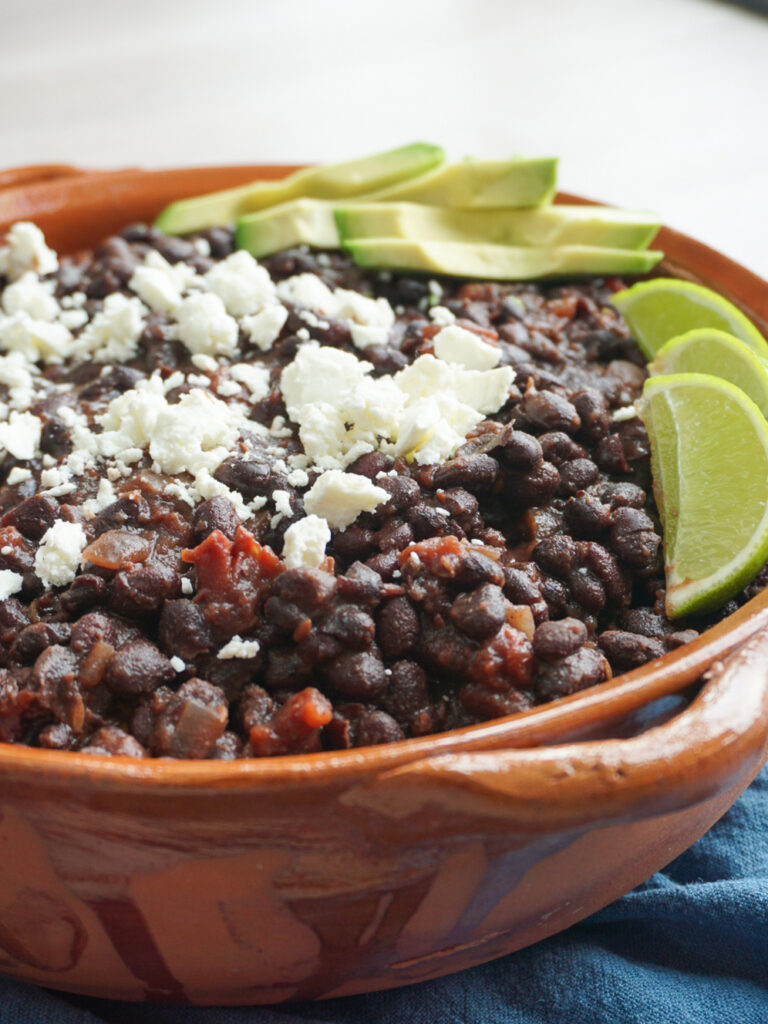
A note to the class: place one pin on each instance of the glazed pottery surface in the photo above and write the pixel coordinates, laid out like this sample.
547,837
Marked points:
328,874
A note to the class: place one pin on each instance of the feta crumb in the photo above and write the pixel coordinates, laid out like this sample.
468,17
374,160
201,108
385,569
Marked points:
187,586
442,316
28,294
303,334
35,339
241,283
25,250
255,378
113,334
339,498
228,388
18,475
458,345
305,541
239,648
20,435
158,283
627,412
203,325
298,478
202,246
59,553
204,362
177,663
10,583
307,290
263,328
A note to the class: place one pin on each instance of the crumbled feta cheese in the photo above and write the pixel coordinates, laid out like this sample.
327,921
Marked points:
298,478
204,362
20,435
105,495
203,325
73,319
228,388
627,412
457,345
160,284
35,339
10,583
241,283
303,334
263,328
177,663
59,553
304,542
17,375
308,290
239,648
202,246
442,316
18,475
371,319
339,498
187,586
25,250
113,334
28,294
255,378
424,412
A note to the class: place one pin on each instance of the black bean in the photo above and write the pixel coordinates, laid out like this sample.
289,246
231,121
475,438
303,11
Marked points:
402,490
143,589
407,693
192,721
577,475
217,513
629,650
375,727
371,464
555,640
394,535
536,487
480,613
183,630
33,516
136,668
587,516
585,667
593,413
556,555
91,629
113,742
358,675
85,591
354,543
353,627
397,627
559,448
308,589
634,539
522,451
34,639
548,410
475,472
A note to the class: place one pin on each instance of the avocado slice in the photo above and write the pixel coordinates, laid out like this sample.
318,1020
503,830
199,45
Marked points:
299,222
329,181
470,183
545,226
498,262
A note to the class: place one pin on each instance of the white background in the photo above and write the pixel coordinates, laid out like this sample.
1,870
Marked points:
659,104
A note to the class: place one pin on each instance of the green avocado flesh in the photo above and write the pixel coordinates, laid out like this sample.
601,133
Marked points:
331,181
471,183
498,262
300,222
545,226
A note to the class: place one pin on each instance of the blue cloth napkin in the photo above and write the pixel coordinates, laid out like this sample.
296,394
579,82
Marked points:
690,946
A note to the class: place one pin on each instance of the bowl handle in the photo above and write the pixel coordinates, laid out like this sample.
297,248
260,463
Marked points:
35,174
719,740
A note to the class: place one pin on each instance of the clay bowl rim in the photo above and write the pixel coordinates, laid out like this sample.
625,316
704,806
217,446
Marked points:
554,723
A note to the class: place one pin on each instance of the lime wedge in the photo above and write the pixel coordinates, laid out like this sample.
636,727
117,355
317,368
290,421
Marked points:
720,355
666,308
709,459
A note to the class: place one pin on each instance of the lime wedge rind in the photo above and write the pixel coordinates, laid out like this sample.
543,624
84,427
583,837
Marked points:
709,351
666,307
709,454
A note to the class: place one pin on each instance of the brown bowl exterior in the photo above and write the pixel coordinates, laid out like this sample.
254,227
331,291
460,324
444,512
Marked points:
329,874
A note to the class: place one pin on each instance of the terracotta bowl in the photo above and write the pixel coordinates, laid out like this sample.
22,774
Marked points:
335,873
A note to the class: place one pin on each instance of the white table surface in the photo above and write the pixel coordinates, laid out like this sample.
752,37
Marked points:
659,104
